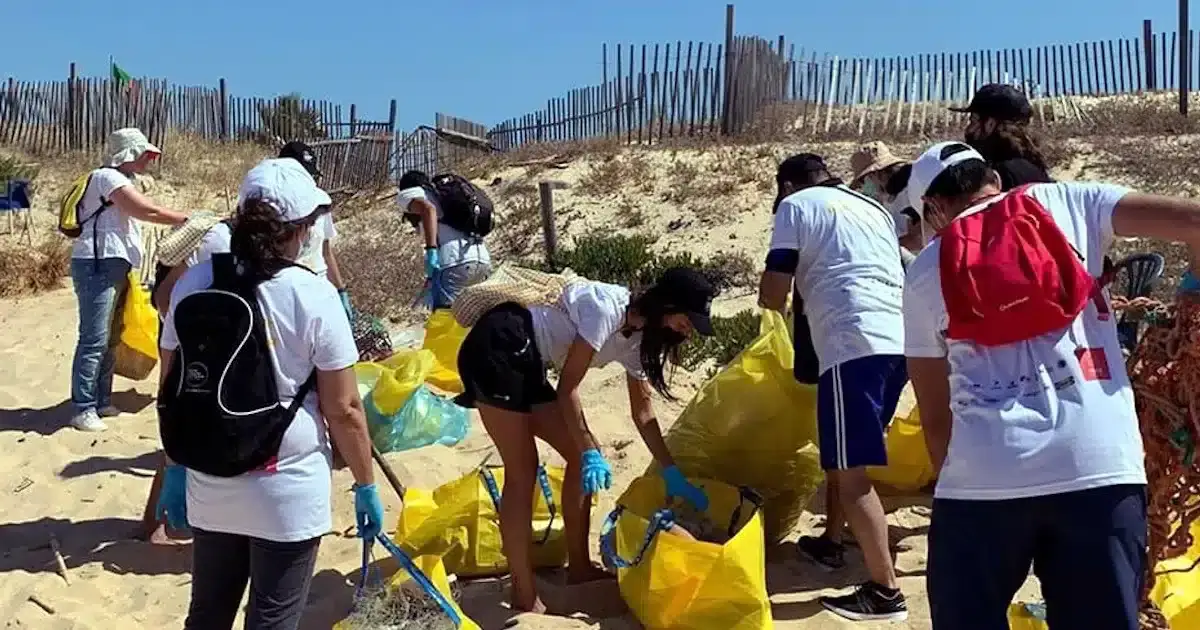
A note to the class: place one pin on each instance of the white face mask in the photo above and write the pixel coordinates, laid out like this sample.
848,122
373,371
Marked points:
308,246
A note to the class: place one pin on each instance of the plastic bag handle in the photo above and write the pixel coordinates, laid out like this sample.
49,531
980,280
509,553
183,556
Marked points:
745,495
661,521
543,479
420,578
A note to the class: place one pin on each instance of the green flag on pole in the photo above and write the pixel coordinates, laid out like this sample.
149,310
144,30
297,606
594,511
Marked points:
121,77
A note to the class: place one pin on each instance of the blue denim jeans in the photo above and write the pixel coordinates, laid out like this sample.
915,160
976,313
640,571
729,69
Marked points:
99,287
450,281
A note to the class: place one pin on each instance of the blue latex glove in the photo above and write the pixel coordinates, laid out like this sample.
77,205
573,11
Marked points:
172,501
368,511
344,296
679,486
432,261
1188,283
597,474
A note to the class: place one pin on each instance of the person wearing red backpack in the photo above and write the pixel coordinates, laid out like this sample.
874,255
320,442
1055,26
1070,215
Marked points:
1025,403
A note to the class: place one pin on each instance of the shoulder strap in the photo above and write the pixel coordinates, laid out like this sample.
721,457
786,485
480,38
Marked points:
302,393
863,197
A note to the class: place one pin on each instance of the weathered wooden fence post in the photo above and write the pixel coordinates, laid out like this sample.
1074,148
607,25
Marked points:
727,106
549,229
224,109
1185,47
1148,46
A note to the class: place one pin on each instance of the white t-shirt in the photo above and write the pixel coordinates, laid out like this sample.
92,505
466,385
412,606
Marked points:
289,500
596,312
849,273
216,241
454,247
313,253
116,234
1028,418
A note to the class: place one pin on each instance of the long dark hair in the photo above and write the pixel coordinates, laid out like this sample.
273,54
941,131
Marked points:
1008,141
660,344
259,237
413,179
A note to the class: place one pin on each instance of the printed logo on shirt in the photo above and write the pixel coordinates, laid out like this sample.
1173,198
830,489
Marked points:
1093,363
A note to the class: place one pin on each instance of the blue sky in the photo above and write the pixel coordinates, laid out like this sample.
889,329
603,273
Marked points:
489,60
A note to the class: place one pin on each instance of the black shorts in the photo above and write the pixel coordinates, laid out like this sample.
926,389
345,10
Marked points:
500,364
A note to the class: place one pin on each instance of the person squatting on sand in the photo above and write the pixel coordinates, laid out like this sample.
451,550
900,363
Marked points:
503,363
454,259
260,524
1025,403
109,246
838,247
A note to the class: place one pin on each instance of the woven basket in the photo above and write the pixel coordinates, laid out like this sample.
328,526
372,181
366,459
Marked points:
174,248
510,283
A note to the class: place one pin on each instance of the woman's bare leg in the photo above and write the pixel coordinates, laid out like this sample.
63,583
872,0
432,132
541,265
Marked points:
513,437
576,508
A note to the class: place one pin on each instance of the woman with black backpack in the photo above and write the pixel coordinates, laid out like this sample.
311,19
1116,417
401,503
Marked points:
257,371
455,255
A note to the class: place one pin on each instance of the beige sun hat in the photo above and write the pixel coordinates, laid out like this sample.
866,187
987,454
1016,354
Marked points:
126,145
869,158
175,247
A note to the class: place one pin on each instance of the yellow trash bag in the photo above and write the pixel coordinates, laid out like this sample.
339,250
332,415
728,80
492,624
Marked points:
136,352
754,425
443,337
908,465
435,570
403,373
1177,587
460,522
674,582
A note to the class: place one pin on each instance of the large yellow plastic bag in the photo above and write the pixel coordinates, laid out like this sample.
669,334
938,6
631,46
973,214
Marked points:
460,523
754,425
674,582
405,372
1177,587
433,568
443,337
908,465
425,419
136,352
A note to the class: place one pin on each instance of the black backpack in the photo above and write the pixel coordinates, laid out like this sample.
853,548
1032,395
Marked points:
219,411
465,207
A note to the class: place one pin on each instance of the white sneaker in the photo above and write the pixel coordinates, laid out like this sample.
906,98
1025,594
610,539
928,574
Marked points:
108,411
88,421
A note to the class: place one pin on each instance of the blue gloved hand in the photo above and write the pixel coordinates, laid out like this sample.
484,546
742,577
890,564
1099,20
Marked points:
432,261
1188,283
344,296
368,511
597,474
679,486
172,501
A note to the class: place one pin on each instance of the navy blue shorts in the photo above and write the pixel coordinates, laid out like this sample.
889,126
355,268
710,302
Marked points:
855,403
1088,549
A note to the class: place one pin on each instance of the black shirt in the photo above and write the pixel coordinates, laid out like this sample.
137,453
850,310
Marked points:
1018,172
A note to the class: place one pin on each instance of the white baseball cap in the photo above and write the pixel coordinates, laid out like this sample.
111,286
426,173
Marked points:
932,162
286,186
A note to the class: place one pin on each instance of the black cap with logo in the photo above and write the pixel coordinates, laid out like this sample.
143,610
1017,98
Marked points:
999,101
303,154
685,290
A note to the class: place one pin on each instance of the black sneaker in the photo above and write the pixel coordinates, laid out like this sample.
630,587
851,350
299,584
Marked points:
824,552
869,602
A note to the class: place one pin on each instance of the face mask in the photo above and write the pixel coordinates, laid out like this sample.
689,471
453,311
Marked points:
871,189
308,246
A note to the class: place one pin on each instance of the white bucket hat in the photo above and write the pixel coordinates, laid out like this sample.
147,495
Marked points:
286,186
126,145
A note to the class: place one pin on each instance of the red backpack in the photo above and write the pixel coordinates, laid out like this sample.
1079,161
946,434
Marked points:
1009,274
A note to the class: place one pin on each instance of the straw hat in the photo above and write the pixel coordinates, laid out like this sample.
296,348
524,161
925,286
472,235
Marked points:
126,145
175,247
869,158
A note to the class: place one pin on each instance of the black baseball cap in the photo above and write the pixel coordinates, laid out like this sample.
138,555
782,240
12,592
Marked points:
999,101
303,154
799,167
686,290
